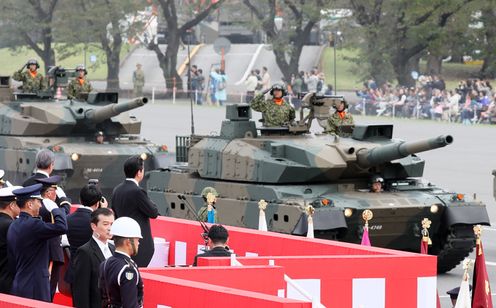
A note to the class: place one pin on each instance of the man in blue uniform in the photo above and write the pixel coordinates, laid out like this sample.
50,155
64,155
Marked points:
55,252
120,281
28,247
8,212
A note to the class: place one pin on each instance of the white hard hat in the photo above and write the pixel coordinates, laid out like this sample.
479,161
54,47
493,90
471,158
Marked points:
2,173
126,227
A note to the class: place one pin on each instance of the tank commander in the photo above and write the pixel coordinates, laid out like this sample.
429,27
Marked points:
217,243
32,80
99,137
79,87
208,213
376,184
338,118
276,111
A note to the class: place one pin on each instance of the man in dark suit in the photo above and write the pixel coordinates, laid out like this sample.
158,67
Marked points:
217,242
85,292
79,223
8,212
128,199
28,246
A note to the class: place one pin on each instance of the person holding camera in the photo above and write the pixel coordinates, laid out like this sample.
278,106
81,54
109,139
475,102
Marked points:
79,229
32,80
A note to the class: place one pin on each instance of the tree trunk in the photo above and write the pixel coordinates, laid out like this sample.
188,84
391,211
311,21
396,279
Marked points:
403,68
113,53
170,62
488,69
113,62
434,64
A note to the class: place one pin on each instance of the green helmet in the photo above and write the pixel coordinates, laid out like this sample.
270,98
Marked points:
207,190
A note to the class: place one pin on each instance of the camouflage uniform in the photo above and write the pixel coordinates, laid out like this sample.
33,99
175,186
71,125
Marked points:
203,214
138,82
335,121
75,88
30,84
273,114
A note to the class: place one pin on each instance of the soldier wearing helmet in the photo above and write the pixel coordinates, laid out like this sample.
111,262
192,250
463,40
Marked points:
79,87
276,111
338,118
376,184
32,80
208,212
120,280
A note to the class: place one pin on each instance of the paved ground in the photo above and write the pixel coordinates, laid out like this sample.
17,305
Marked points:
465,166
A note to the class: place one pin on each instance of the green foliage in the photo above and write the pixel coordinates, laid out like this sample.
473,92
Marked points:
11,61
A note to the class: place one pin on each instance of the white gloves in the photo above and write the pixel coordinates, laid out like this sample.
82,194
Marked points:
60,193
50,205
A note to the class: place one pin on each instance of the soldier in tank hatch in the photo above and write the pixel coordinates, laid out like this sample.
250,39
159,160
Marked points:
32,80
276,111
338,118
79,87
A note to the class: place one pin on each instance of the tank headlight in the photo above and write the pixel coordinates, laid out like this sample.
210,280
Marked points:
434,208
348,212
75,156
144,156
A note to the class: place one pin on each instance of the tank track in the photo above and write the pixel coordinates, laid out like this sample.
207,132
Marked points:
457,245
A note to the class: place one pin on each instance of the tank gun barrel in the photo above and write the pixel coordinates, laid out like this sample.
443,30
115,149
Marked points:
106,112
379,155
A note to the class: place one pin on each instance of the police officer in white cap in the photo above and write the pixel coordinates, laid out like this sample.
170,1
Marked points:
8,212
120,281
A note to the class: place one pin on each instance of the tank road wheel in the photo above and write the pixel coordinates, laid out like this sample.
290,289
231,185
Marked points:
457,243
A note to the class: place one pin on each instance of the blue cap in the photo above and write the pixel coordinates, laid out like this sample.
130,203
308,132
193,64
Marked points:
29,192
50,182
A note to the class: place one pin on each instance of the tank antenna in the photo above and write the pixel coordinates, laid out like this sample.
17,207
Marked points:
189,83
202,223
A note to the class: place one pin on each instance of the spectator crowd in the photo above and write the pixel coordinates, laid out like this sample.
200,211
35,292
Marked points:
473,101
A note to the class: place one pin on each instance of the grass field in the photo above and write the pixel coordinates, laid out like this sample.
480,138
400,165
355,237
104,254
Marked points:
11,61
346,80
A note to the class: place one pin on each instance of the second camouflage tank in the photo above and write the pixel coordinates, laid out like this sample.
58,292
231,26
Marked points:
30,122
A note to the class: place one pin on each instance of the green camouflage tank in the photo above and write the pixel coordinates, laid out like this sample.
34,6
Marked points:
291,168
30,122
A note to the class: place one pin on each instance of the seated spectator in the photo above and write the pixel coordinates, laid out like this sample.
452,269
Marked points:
217,243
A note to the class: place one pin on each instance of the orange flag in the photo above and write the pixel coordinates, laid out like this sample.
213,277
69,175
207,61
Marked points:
481,290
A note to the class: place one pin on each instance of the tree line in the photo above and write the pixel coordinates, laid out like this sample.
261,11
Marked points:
391,36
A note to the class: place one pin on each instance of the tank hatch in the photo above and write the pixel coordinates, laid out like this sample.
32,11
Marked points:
373,132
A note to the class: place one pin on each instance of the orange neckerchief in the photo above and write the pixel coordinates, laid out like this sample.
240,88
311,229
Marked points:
33,74
81,81
278,101
341,114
